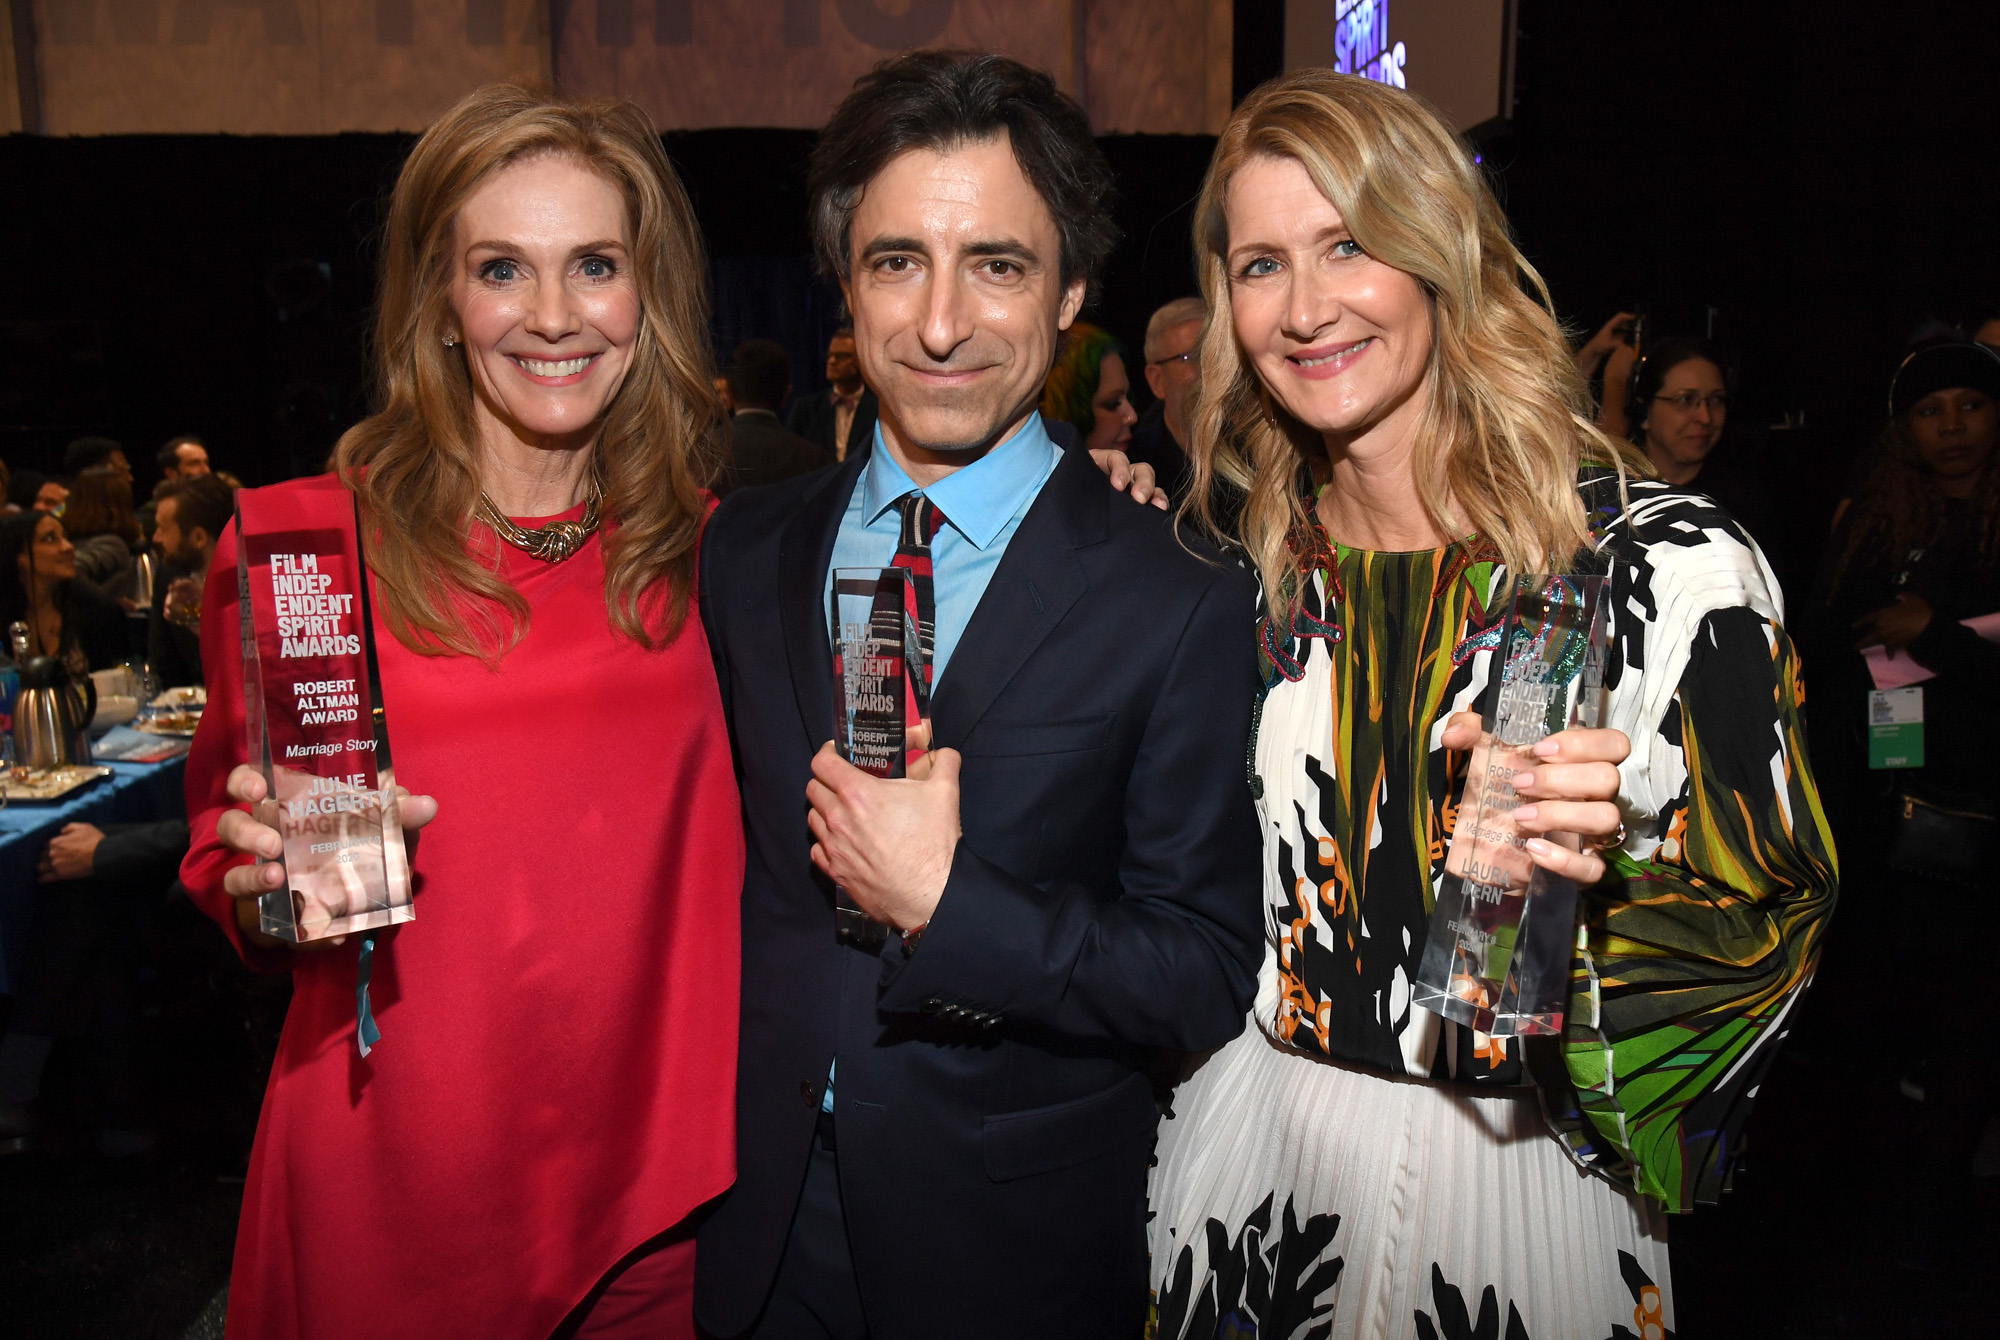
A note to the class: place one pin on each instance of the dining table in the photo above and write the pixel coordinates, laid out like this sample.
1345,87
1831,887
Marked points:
132,792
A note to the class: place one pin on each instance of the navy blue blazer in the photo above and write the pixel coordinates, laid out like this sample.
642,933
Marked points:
994,1113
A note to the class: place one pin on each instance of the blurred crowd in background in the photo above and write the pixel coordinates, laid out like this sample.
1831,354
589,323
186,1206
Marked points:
104,581
108,558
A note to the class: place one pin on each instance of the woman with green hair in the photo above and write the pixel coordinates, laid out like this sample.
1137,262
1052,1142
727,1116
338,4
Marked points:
1089,387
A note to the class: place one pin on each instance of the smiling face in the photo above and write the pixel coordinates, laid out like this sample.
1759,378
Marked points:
54,557
547,306
1954,430
1342,340
957,295
1686,418
1112,406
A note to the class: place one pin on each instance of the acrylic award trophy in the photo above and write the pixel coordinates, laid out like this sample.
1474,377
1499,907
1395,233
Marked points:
879,692
1503,931
314,719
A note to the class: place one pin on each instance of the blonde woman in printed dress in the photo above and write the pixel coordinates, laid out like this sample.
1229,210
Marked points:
1352,1166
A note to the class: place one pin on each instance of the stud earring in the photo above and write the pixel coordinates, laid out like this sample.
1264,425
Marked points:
450,340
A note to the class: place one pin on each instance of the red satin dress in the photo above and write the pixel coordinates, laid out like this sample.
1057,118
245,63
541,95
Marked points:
555,1080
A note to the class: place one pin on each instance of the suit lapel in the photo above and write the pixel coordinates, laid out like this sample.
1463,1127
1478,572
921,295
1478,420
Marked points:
1038,580
804,550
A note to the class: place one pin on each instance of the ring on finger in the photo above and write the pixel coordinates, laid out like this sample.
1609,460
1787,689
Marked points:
1609,841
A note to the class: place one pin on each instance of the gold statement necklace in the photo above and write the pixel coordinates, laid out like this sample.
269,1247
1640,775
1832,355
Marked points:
551,543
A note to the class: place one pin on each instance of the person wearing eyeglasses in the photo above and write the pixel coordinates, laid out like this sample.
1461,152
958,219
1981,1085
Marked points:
1677,410
1172,351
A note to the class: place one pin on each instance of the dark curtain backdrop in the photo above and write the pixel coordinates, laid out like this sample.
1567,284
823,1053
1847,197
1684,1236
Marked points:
775,298
1802,178
222,286
1811,182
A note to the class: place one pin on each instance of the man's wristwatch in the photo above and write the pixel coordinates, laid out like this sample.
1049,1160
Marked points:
914,937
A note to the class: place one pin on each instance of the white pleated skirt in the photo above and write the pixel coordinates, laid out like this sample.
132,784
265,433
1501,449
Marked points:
1294,1192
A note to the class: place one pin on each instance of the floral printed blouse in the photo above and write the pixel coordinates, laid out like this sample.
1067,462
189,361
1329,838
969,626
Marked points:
1700,941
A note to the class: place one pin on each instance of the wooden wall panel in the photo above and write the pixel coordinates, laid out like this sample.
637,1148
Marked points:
10,92
1153,65
116,66
447,50
783,62
275,67
324,66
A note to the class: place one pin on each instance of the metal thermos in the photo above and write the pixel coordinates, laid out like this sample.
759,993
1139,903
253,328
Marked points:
145,570
52,716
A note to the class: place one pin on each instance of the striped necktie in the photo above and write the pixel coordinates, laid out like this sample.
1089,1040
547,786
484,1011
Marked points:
921,519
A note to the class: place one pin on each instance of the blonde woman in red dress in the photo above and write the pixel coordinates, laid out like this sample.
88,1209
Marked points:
550,1101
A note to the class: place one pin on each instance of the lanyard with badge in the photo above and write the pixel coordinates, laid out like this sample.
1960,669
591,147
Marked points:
1895,710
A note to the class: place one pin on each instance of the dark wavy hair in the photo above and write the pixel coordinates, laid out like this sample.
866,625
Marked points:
17,540
201,503
86,452
1900,509
938,100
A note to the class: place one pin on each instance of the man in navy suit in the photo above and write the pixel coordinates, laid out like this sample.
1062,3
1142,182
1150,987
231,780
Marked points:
843,415
944,1130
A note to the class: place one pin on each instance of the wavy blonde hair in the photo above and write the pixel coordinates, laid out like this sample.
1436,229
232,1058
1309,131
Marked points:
1508,420
413,465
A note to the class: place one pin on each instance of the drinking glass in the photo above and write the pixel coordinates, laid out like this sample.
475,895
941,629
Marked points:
183,603
143,686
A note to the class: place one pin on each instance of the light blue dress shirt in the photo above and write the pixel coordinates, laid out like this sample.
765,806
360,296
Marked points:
982,504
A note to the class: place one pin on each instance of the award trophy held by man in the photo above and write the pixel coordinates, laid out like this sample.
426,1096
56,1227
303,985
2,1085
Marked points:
881,692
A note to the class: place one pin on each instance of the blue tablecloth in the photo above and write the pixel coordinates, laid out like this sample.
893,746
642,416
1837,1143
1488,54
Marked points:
134,793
